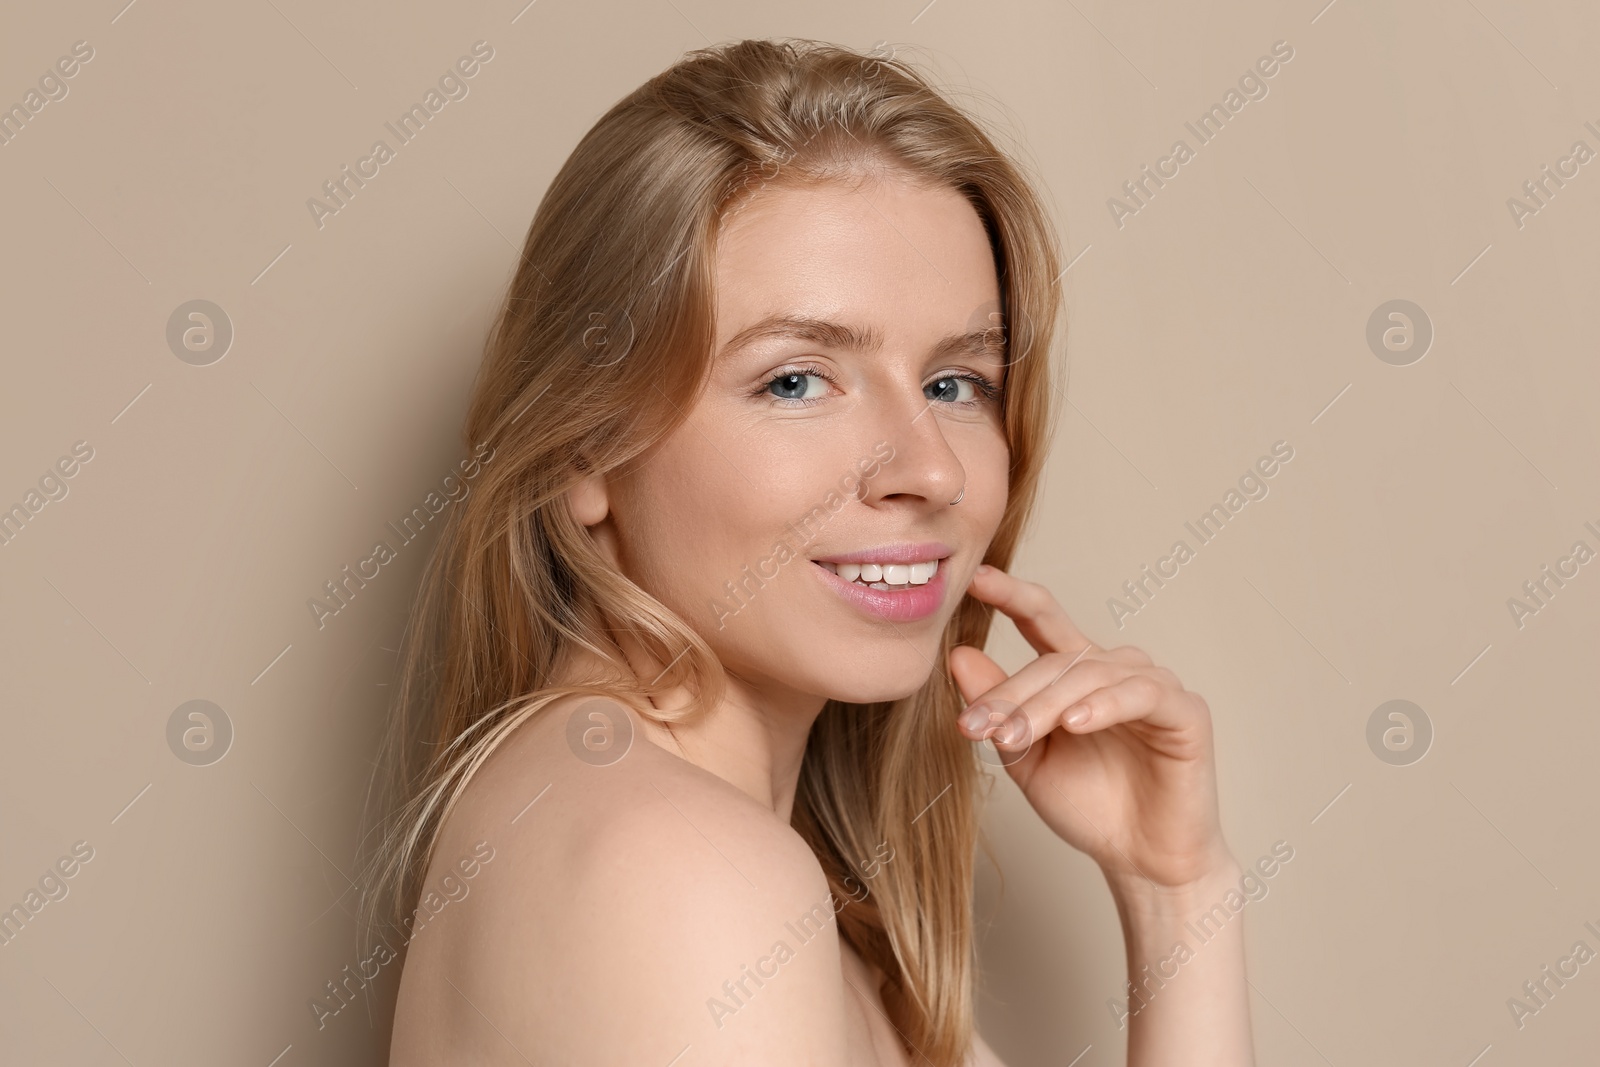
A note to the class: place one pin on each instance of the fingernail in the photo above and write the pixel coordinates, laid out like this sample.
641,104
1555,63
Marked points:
1079,717
975,716
1012,730
983,569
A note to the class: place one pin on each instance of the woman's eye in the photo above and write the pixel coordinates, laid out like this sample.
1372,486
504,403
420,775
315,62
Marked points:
797,387
949,390
806,387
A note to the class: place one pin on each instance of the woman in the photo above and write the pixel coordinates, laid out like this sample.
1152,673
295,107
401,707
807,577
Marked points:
770,383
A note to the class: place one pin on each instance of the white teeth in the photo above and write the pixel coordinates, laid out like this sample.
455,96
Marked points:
886,575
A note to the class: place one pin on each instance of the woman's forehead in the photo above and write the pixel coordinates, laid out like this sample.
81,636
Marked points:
862,257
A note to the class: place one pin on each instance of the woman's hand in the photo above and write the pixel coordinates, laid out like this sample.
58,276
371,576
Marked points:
1134,783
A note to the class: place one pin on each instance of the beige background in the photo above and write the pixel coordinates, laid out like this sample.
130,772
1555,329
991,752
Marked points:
1227,314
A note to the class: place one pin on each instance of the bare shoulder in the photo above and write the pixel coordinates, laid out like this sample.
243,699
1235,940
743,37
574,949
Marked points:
982,1054
634,905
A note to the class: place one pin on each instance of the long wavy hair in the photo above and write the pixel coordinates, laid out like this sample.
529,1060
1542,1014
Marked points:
620,251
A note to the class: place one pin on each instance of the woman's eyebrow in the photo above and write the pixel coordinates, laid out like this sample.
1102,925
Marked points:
987,342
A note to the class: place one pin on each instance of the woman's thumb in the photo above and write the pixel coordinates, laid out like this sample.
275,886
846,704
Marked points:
974,672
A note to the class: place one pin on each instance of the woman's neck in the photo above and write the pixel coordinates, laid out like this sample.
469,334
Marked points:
755,738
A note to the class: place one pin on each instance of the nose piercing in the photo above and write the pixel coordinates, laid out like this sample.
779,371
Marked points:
959,495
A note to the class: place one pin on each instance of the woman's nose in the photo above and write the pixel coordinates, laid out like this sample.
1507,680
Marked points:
923,464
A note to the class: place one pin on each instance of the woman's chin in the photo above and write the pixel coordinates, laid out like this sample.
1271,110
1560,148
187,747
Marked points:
877,689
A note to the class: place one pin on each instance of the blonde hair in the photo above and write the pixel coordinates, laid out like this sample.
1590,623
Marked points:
624,240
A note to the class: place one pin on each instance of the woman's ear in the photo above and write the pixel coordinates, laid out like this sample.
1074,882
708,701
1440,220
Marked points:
588,499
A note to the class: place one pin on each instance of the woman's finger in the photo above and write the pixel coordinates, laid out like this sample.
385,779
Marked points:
1130,654
974,672
1144,695
1138,696
1039,618
1042,688
977,675
1128,694
1035,716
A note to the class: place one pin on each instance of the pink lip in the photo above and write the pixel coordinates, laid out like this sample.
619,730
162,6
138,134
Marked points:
904,552
905,605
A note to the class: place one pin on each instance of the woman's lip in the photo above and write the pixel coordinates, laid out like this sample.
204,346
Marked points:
904,552
902,605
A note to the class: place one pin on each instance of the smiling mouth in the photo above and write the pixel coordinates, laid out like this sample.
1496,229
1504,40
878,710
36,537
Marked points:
887,576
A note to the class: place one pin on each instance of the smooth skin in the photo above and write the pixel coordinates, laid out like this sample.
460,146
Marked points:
626,900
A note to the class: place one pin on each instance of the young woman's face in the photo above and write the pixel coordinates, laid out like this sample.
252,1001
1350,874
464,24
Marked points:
802,439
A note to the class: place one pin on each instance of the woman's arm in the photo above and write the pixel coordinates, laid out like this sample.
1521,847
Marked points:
1188,1002
1187,1006
1116,757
